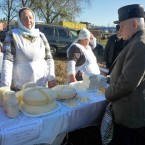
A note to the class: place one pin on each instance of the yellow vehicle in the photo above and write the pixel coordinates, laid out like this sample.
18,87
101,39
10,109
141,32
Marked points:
73,25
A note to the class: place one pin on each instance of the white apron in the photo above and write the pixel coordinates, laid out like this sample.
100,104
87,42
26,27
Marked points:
29,63
90,65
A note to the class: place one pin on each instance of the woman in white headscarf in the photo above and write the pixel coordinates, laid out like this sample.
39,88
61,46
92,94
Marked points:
81,59
27,56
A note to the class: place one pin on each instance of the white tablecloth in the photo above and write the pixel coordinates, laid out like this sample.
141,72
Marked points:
26,130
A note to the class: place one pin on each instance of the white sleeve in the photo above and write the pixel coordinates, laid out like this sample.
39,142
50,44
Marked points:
50,63
71,67
6,74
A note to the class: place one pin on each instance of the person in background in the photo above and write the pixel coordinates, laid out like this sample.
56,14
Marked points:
113,47
93,41
98,52
27,55
81,59
126,91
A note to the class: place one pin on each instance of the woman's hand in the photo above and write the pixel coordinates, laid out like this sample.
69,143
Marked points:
52,83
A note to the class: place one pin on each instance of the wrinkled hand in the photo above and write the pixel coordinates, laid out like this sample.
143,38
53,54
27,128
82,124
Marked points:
52,83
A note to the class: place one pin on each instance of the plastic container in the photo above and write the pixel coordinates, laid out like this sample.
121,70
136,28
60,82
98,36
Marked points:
2,91
12,104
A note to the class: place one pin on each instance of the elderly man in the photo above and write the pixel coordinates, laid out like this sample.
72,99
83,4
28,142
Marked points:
81,59
127,86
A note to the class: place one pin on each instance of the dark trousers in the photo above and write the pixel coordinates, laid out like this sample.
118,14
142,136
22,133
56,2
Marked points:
128,136
85,136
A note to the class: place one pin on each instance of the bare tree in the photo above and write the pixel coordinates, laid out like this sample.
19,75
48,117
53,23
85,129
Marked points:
9,9
27,3
56,10
47,10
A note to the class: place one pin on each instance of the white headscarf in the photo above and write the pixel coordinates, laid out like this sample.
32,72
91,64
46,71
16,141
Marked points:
23,30
84,34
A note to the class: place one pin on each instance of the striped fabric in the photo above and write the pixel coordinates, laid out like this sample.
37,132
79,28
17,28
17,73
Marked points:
107,125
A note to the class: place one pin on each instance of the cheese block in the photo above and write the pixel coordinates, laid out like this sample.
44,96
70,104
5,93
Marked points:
29,85
64,91
38,96
50,94
11,105
25,86
2,91
37,109
93,81
19,95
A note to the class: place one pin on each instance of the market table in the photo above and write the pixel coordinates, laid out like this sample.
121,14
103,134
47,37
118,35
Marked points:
25,130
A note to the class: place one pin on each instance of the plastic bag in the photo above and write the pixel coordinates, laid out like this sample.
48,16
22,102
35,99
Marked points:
107,125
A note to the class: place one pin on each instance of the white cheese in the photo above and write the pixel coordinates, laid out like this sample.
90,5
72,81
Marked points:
2,91
29,85
64,91
38,96
37,109
11,104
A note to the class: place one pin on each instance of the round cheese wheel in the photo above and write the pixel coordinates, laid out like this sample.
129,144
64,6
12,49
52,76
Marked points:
38,96
29,85
19,95
38,109
64,91
50,94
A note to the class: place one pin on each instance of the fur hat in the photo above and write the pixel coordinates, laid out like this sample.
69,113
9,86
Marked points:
130,11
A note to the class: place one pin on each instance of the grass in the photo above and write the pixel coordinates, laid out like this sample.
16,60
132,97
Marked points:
102,42
61,69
